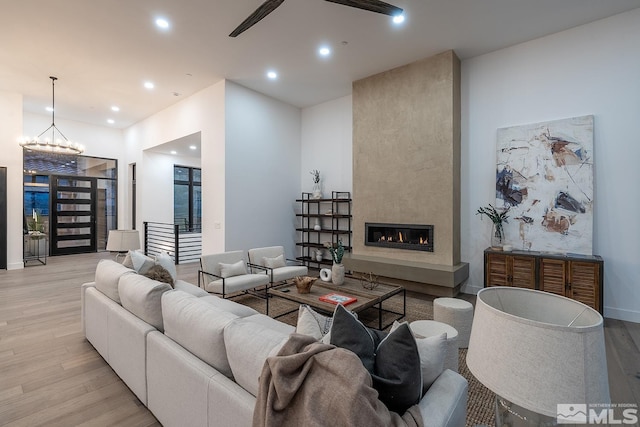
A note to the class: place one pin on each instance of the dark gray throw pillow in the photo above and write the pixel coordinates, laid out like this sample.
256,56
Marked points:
397,375
392,359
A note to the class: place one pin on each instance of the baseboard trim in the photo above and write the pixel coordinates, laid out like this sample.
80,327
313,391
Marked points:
621,314
15,266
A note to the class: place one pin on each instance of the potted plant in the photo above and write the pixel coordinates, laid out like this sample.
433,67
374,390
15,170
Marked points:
317,190
498,217
337,269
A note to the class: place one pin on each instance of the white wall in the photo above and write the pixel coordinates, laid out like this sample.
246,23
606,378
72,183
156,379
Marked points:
202,112
11,158
592,69
327,131
262,170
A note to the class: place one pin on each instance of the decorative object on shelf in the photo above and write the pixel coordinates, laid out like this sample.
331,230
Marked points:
303,284
123,241
317,188
498,217
545,171
325,275
317,226
563,336
319,255
53,145
369,281
337,269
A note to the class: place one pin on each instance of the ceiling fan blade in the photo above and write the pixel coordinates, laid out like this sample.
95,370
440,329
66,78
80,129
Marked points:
371,5
265,8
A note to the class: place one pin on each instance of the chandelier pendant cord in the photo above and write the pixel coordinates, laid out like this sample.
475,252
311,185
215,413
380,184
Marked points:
53,113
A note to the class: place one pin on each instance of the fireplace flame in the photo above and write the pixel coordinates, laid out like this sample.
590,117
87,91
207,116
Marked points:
400,233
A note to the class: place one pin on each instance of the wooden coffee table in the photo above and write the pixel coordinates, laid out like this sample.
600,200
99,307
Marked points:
351,287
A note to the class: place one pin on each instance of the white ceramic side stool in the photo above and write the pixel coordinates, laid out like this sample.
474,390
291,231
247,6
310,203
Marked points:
430,328
457,313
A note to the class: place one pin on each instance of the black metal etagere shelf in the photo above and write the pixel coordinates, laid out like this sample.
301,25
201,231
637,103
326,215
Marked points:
333,215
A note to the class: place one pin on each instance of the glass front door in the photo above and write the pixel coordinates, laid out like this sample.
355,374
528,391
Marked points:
73,215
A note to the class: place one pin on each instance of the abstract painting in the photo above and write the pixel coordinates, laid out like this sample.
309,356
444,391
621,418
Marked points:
545,175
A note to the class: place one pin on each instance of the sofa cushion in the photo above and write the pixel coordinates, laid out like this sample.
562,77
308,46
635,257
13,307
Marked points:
271,323
392,360
187,287
108,274
141,296
198,327
230,306
248,345
237,283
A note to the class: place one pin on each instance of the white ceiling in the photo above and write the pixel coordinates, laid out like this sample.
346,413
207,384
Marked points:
103,51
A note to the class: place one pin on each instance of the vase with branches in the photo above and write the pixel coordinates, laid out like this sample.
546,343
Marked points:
498,217
337,270
317,189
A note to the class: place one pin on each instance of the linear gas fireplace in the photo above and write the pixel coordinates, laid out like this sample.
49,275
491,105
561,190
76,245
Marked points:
399,236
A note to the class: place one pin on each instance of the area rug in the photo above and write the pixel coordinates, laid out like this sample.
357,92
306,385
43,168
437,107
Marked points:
481,401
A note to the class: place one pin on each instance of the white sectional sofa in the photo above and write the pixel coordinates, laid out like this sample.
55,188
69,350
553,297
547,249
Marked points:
194,359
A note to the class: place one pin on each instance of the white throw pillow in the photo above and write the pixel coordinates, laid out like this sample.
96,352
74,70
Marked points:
165,260
433,351
141,262
314,324
276,262
229,270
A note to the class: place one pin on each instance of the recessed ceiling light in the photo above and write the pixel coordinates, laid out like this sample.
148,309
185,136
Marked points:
162,23
115,108
272,75
324,51
398,19
149,85
49,109
193,147
111,121
174,152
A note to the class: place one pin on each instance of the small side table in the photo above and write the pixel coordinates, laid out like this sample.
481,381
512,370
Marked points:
430,328
457,313
37,249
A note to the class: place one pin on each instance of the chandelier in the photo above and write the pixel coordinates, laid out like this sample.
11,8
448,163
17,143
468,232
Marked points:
53,144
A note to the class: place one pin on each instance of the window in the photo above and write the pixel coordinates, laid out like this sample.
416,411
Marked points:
187,198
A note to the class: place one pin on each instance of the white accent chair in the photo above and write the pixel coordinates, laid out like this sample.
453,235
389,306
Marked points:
278,268
226,273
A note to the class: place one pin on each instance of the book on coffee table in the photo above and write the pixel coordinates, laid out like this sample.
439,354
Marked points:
337,299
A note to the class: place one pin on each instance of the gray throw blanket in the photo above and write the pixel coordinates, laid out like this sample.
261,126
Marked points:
313,384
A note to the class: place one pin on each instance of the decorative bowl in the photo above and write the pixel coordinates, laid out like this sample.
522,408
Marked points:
304,283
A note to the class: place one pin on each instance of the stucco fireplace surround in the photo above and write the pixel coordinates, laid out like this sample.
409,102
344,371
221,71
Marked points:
406,170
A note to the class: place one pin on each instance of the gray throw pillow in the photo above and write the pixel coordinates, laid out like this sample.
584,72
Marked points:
392,359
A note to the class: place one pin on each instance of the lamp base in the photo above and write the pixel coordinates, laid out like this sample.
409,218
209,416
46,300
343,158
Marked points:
121,254
508,414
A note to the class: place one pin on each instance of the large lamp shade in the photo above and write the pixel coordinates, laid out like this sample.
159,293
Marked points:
538,350
123,240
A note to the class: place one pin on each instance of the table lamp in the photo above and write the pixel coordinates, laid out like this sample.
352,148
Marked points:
542,354
122,241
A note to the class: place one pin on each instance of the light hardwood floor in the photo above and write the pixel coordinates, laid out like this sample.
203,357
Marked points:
50,375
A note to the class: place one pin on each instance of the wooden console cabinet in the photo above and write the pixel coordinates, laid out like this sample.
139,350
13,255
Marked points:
579,277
